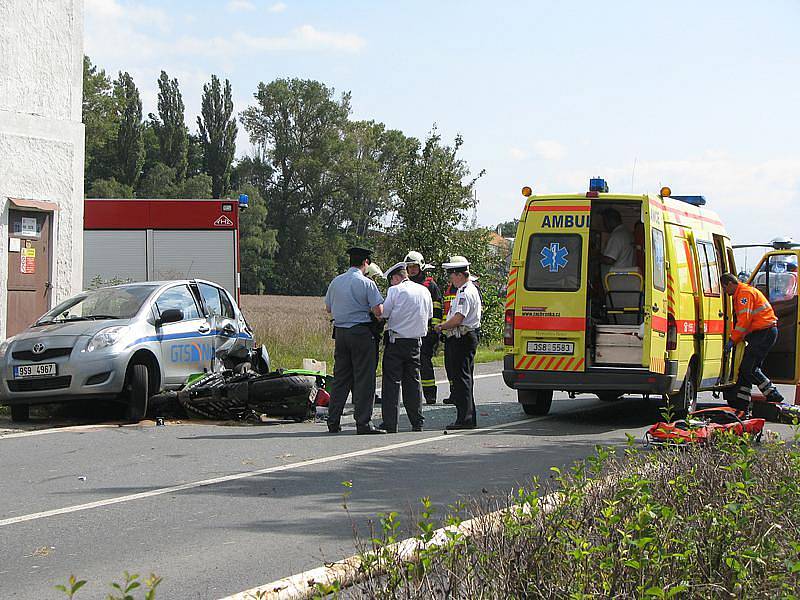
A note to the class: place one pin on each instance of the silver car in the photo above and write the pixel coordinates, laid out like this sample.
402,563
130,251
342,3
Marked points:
126,342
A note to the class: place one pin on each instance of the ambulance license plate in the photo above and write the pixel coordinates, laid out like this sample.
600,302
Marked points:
43,370
551,347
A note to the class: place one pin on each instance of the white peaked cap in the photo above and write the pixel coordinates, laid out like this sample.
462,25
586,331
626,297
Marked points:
390,271
456,262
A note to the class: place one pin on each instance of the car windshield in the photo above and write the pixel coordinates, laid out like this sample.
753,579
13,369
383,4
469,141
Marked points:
107,303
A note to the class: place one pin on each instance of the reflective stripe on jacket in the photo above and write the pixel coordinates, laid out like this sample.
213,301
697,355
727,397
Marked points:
753,312
449,295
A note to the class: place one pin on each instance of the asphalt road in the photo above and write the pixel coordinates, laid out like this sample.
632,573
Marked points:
216,509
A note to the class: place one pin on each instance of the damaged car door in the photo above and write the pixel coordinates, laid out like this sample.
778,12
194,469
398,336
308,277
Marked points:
221,314
187,344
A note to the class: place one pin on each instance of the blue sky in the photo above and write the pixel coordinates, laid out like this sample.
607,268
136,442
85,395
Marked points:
701,96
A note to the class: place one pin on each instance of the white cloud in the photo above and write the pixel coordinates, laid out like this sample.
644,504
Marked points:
240,5
277,8
304,38
518,154
549,150
111,11
757,201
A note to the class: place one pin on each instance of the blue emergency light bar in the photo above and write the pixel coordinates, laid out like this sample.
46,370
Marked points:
244,201
598,184
693,200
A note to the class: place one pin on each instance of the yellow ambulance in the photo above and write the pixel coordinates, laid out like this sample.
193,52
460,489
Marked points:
615,294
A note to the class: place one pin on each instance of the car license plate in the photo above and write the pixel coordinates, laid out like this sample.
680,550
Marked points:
551,347
43,370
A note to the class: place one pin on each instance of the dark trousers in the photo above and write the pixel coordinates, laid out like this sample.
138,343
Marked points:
460,356
758,346
401,361
447,370
430,344
354,366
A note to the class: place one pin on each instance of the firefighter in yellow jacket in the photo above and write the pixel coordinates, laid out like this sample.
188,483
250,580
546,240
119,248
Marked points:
756,325
416,267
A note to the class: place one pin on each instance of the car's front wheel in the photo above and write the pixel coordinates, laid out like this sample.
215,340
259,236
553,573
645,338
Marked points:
138,393
20,412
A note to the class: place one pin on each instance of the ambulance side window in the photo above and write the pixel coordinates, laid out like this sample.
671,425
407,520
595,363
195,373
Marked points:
554,262
659,279
709,270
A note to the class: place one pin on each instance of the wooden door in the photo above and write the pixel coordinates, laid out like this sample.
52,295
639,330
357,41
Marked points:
28,268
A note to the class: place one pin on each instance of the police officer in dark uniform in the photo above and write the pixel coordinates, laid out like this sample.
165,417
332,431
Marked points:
416,267
350,299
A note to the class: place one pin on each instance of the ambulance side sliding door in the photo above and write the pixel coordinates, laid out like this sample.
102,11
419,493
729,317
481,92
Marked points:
776,278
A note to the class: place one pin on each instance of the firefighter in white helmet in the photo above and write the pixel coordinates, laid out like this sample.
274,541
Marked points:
416,268
461,343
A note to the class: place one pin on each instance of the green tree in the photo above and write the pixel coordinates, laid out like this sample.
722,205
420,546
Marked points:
158,182
255,171
100,122
170,127
433,196
489,264
129,144
197,186
508,228
363,167
298,126
109,188
218,133
152,152
258,243
194,156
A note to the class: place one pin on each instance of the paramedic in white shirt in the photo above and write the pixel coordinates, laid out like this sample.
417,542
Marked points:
407,309
461,331
619,253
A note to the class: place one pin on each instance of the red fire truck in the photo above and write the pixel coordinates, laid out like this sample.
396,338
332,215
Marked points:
151,240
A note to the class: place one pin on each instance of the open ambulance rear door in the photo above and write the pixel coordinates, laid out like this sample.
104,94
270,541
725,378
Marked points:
776,278
656,306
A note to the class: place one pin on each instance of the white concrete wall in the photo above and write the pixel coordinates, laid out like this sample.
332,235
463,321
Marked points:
41,134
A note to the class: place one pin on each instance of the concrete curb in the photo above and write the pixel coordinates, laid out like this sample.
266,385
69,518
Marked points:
348,572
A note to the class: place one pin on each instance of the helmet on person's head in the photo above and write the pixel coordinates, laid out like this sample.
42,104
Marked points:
373,271
414,258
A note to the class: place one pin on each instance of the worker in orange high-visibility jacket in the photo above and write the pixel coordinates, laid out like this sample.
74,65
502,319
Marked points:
755,323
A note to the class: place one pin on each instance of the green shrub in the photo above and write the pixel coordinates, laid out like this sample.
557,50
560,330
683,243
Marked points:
719,522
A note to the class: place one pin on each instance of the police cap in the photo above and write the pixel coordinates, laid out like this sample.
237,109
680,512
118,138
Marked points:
456,264
393,269
358,252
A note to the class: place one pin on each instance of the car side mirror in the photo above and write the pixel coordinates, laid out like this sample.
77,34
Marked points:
171,315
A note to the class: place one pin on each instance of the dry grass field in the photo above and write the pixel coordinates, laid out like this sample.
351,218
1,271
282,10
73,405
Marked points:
297,327
291,327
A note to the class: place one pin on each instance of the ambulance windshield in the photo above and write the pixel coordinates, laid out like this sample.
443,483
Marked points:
554,262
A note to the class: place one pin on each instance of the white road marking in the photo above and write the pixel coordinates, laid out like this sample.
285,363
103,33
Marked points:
19,434
246,475
483,376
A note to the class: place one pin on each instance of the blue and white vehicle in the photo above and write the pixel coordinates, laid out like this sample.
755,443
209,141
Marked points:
126,342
